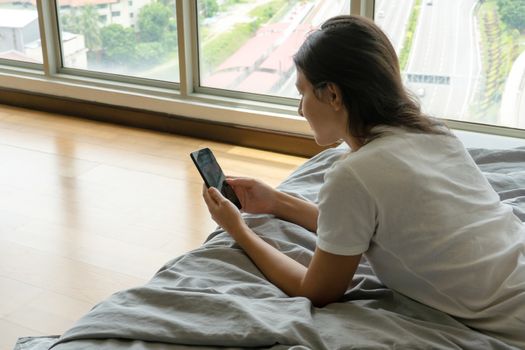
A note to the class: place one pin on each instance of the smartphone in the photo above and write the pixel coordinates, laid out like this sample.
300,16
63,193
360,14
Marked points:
212,174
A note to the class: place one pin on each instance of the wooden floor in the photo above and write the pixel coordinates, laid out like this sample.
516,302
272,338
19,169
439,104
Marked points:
87,209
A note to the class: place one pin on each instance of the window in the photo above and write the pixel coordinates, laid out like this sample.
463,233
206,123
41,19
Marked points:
91,42
19,32
464,60
248,45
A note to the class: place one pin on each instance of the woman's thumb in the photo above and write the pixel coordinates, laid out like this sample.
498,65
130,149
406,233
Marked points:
214,193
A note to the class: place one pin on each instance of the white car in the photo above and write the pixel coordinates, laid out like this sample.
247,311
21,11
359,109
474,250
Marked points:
420,92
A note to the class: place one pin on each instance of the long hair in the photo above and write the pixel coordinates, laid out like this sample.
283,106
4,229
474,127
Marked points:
354,53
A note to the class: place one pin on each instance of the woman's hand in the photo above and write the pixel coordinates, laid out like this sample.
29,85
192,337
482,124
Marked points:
256,197
223,211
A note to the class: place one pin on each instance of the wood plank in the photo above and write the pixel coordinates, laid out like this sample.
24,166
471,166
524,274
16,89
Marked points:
88,209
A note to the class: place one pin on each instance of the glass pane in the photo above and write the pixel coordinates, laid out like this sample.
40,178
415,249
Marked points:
127,37
19,32
464,60
248,45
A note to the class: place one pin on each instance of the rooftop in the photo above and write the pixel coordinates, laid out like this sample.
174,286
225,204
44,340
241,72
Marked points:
10,18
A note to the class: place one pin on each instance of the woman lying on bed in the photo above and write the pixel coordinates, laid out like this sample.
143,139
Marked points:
407,195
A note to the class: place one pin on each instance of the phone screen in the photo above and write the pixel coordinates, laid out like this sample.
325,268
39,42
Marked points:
212,174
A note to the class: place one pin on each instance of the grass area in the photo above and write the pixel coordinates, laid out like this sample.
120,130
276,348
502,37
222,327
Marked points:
500,46
217,50
222,46
226,5
409,38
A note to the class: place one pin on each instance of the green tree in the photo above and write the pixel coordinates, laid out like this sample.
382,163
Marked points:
118,44
153,21
170,4
149,53
90,27
208,8
169,40
512,12
85,23
69,22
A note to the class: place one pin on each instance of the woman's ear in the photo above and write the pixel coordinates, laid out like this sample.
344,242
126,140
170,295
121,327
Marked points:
335,97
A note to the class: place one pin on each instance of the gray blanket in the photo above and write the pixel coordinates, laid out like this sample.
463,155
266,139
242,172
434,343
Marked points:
215,297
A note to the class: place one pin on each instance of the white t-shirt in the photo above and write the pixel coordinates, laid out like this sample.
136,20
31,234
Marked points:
431,227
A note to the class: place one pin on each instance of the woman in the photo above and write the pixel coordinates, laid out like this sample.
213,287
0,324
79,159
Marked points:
408,195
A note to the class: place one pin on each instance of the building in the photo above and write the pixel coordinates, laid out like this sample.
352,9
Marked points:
20,39
122,12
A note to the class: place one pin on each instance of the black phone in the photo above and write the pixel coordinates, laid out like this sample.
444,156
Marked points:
212,174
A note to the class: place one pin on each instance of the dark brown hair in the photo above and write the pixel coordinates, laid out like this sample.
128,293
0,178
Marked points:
354,53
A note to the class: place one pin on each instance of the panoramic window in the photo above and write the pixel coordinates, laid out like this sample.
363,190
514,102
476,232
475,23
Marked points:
464,60
248,45
19,32
130,38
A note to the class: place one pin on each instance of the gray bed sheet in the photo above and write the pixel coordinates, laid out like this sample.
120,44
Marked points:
214,297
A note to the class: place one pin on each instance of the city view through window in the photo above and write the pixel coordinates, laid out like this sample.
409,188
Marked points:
463,59
19,32
248,45
126,37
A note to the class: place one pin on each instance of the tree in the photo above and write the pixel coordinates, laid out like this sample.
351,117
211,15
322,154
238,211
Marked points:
69,23
208,8
169,41
85,23
90,27
153,21
149,53
118,44
170,4
512,12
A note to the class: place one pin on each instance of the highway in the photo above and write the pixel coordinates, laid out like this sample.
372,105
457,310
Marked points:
320,12
392,17
445,45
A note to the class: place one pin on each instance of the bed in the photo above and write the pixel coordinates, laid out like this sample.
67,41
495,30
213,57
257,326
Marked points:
215,298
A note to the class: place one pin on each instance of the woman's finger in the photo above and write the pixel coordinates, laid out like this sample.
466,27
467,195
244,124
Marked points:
215,195
207,198
239,181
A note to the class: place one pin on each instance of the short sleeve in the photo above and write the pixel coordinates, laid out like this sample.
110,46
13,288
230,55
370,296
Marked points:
347,213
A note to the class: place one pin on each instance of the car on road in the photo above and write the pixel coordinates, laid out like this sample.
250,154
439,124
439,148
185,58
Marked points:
420,92
429,2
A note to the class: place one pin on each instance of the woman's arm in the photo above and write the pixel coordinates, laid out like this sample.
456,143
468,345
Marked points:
259,198
324,281
296,210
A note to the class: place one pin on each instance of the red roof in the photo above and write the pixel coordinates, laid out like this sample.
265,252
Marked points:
221,80
280,59
256,47
259,82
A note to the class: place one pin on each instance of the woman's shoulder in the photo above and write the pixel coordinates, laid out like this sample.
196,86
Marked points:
401,149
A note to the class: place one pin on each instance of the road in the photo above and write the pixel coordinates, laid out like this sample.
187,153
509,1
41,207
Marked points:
320,12
445,45
512,109
392,17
